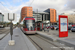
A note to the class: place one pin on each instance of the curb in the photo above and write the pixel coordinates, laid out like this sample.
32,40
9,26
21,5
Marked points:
66,43
58,40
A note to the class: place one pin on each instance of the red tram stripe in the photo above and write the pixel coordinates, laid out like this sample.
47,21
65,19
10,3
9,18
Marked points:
29,19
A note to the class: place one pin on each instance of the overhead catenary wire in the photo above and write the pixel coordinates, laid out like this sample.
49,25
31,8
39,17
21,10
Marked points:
31,3
4,6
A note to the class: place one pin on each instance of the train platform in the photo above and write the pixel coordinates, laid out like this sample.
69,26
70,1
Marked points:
21,41
54,36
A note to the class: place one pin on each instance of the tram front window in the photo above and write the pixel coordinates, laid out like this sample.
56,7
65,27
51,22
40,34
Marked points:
30,24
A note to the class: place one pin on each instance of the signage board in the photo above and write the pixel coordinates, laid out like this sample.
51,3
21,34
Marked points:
63,26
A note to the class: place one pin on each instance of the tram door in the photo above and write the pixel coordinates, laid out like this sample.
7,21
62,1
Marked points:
39,26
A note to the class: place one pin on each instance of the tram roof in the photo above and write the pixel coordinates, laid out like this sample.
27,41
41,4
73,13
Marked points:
29,18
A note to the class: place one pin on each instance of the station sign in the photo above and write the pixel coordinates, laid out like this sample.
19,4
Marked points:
63,26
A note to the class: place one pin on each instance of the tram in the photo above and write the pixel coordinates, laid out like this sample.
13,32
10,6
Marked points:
29,25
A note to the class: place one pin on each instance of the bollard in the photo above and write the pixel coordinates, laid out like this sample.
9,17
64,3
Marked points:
11,42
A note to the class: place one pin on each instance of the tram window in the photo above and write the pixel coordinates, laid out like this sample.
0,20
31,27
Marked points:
74,27
23,22
23,26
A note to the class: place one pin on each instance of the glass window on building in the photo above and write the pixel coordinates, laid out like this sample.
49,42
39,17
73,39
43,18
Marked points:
1,17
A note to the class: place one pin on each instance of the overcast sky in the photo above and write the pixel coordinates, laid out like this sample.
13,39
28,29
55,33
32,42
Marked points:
14,6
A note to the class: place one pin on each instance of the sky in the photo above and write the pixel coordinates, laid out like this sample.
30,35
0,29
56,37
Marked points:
14,6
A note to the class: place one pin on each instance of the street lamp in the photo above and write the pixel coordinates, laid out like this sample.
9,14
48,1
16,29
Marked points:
11,17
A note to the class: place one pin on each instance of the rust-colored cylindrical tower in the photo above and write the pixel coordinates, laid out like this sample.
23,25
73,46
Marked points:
52,15
26,12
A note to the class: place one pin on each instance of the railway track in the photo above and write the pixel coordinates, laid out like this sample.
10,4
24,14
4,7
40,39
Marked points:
3,31
42,43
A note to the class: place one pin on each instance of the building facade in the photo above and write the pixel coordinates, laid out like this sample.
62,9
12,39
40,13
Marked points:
71,17
41,16
37,17
26,12
52,15
47,15
1,17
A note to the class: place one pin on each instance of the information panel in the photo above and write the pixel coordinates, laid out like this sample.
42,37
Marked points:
63,26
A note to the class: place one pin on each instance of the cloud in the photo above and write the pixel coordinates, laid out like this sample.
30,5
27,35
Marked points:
61,6
70,4
42,5
11,9
3,9
17,1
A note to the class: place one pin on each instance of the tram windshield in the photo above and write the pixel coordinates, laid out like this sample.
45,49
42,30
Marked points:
29,24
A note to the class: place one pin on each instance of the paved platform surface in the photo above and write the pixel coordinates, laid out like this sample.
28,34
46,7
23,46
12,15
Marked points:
21,42
54,36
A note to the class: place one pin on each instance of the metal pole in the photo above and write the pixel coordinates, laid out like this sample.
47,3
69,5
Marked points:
11,24
11,30
37,19
45,20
